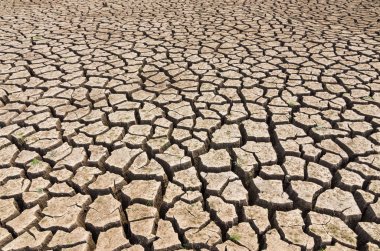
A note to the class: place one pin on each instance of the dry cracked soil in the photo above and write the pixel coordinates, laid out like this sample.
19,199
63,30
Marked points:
190,124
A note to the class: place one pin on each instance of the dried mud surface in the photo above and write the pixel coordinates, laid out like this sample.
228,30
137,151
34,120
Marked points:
172,125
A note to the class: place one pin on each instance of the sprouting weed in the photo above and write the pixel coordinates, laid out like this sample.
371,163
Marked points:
35,161
234,237
19,134
186,246
368,98
319,127
20,138
36,38
292,104
149,203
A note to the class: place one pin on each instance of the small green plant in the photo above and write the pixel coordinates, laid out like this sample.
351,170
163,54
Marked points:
36,38
20,138
320,127
292,104
186,246
368,98
21,141
235,237
35,161
39,190
19,134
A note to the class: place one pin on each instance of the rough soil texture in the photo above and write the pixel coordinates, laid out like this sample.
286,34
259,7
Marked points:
177,124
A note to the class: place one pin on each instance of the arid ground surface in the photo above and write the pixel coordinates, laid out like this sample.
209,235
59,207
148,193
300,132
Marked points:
172,125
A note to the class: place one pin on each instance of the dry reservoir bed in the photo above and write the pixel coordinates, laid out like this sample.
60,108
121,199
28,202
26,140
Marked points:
189,124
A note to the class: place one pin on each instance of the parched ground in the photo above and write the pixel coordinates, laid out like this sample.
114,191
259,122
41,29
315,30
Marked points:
189,124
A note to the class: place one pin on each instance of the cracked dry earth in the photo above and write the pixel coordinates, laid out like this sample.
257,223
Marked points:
206,125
